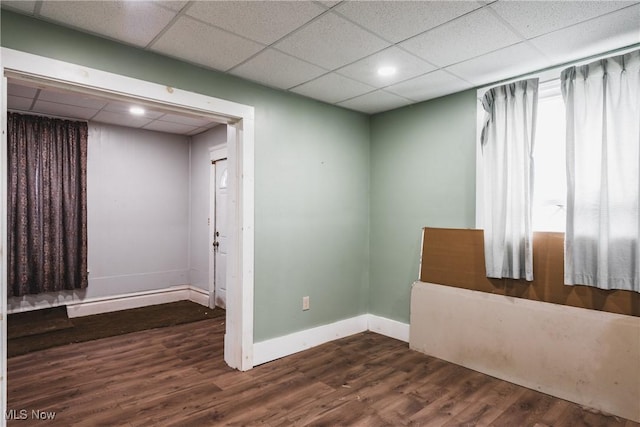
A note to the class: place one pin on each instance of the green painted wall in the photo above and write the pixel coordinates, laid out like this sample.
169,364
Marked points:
312,178
422,174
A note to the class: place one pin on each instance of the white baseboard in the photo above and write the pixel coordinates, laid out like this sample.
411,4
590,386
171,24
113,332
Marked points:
266,351
275,348
135,300
389,328
199,296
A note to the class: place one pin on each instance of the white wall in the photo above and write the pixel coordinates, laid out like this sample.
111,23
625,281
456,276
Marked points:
138,214
199,234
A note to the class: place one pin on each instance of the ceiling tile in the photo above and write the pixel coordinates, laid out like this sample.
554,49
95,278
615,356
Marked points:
432,85
366,70
331,42
172,5
123,109
169,127
328,3
18,103
134,22
262,21
464,38
534,18
375,102
184,120
196,42
502,64
197,131
332,88
408,17
19,90
69,98
63,110
120,119
21,6
277,69
615,30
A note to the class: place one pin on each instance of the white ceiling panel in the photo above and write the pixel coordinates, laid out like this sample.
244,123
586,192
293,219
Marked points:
133,22
123,109
121,119
184,120
331,42
277,69
194,41
408,17
22,6
330,50
502,64
466,37
63,110
20,90
534,18
172,5
432,85
262,21
169,127
71,99
333,88
19,103
329,3
375,102
366,70
617,29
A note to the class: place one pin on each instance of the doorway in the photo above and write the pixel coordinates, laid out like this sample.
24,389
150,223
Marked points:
218,228
238,346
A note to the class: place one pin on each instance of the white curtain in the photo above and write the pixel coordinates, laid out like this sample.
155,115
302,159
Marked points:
507,147
603,161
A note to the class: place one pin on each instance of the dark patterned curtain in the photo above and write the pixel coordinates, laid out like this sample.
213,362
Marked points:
47,204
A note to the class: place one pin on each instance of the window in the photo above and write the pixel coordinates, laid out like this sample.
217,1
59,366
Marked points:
550,179
549,154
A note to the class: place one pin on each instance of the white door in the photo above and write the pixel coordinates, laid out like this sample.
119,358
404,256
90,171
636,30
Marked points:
220,233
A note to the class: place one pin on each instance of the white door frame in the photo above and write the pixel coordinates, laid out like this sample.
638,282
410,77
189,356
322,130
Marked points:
238,346
215,154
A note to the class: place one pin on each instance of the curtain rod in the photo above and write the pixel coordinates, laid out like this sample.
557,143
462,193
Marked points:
558,67
51,116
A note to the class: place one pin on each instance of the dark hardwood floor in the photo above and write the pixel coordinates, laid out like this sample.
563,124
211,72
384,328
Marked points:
176,376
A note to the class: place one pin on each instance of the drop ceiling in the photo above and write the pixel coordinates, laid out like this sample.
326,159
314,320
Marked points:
330,50
34,98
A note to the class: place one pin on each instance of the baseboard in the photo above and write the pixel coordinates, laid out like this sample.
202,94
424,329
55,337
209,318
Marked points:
198,295
276,348
388,327
137,299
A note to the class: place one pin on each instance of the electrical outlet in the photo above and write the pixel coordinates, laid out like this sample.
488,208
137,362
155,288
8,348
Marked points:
305,303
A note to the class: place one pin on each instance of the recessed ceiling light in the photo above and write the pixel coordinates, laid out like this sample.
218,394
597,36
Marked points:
386,71
136,111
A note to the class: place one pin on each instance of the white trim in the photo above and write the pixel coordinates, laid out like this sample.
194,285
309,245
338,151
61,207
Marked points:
3,252
389,328
239,117
218,153
198,295
134,300
275,348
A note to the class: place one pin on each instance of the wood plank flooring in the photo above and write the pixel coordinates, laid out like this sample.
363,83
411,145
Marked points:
176,376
